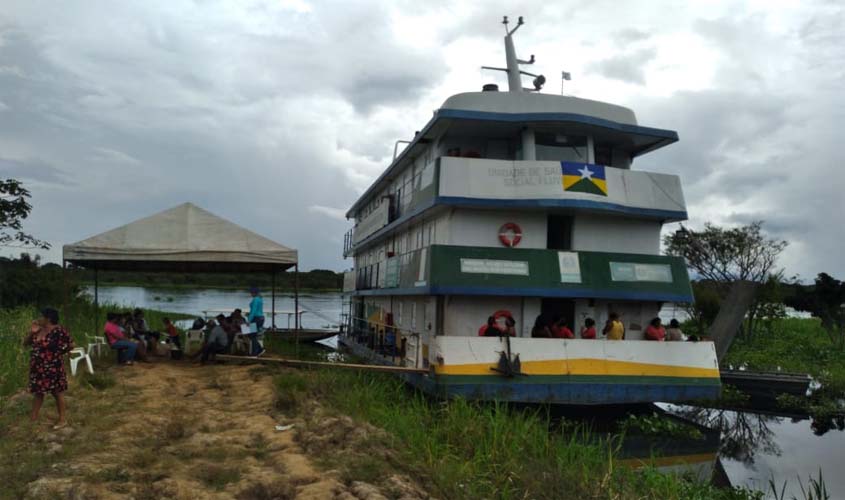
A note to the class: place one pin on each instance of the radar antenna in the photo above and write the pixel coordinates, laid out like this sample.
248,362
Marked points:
512,69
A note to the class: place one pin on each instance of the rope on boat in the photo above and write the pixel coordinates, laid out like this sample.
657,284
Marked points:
302,363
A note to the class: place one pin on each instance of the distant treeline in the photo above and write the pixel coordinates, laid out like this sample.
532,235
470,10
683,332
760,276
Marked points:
25,281
317,279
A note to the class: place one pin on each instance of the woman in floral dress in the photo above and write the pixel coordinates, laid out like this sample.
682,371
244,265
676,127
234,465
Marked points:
50,342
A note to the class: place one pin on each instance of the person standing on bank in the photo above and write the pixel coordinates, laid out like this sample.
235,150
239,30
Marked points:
50,342
256,315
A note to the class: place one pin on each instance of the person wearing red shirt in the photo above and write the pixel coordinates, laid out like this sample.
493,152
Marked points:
655,331
588,331
117,340
561,331
490,329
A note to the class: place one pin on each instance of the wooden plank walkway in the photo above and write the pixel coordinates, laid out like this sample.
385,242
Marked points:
302,363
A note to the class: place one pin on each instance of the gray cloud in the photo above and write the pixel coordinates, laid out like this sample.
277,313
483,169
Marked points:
630,35
277,117
629,67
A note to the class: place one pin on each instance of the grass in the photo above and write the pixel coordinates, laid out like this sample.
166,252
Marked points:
465,450
25,456
217,476
800,346
80,321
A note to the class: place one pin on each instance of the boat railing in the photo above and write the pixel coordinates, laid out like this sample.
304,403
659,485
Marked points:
374,334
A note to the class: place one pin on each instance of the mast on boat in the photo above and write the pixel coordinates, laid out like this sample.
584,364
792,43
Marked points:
513,62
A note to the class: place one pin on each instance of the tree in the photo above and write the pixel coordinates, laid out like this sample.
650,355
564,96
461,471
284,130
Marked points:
826,300
14,208
726,256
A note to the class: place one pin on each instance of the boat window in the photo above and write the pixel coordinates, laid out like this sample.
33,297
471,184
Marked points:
560,147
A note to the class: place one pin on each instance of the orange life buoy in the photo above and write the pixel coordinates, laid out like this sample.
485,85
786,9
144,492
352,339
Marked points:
505,232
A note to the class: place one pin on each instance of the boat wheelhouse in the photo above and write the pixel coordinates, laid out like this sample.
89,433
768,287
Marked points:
517,205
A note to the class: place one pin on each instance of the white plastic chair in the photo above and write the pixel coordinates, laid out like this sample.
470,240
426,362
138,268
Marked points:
96,342
241,344
193,336
77,355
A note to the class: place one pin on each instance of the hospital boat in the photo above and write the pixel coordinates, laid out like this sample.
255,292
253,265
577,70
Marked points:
514,205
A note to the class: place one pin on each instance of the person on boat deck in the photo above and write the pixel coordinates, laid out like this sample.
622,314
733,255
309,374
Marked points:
490,329
588,331
118,340
655,331
215,341
674,332
49,342
256,315
560,330
510,326
541,327
172,333
614,329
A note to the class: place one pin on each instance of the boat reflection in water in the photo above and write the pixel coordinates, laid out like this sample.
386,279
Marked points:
755,448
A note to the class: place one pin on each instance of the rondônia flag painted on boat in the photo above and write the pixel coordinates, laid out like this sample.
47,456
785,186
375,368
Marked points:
583,178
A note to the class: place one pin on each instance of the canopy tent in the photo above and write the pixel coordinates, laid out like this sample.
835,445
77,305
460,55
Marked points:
185,238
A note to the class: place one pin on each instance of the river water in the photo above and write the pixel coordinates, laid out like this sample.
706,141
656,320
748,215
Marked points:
752,448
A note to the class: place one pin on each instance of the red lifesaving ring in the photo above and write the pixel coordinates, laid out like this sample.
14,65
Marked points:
505,232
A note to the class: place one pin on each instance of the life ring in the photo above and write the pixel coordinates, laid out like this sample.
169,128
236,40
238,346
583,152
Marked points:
505,232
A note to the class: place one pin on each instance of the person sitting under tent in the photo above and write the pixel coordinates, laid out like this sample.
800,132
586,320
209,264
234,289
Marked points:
215,341
124,321
172,333
237,318
117,340
230,328
150,338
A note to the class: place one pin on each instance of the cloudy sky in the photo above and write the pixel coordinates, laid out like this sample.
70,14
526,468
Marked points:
278,114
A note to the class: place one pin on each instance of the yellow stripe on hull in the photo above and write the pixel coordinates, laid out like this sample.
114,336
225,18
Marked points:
585,366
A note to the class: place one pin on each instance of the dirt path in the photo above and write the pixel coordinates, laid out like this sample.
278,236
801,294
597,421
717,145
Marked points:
190,432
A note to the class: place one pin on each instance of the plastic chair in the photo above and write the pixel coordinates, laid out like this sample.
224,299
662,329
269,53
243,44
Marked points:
95,342
193,336
77,355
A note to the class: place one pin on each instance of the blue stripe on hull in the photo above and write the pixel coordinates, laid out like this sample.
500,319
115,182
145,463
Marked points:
562,393
568,393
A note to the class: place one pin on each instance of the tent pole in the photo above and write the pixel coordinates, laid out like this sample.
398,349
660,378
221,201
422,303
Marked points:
273,306
296,305
96,300
296,296
64,291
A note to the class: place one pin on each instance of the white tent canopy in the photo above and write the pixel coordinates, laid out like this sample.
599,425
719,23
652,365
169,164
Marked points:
185,238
